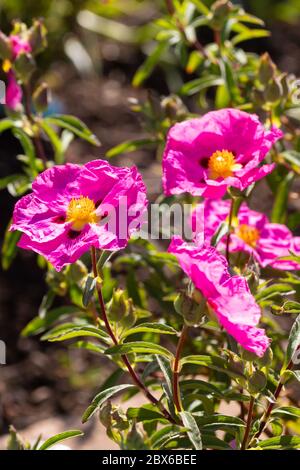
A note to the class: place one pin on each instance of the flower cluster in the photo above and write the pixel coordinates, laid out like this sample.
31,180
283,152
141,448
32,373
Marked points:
70,206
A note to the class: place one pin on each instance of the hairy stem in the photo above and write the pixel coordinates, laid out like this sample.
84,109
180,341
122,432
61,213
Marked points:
176,369
248,424
229,230
266,415
124,358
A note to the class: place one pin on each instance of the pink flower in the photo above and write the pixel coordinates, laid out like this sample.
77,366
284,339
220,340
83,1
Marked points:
252,233
228,296
204,156
14,93
74,207
19,45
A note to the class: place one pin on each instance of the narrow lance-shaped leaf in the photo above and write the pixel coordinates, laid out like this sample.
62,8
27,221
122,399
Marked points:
101,398
294,341
59,438
192,429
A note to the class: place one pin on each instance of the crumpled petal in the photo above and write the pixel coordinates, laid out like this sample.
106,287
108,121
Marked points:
191,143
229,296
14,92
42,215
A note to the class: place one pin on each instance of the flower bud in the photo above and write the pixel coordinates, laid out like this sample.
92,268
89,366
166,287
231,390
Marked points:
173,106
24,66
37,37
220,11
191,310
41,98
118,305
5,47
273,91
267,69
105,414
257,382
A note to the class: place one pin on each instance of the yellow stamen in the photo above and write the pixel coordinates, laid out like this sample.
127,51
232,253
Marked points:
6,65
249,234
222,164
80,212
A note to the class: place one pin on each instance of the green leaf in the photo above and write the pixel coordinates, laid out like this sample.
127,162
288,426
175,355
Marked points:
65,331
292,157
150,328
279,210
4,182
201,386
28,147
250,34
293,342
59,438
280,442
193,431
273,291
147,67
9,247
165,367
220,233
101,398
141,347
131,146
88,291
55,142
6,124
74,125
201,6
286,412
87,345
39,324
209,441
218,422
145,413
194,86
213,362
19,186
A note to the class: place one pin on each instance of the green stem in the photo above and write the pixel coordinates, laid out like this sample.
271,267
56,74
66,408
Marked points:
229,230
124,358
176,369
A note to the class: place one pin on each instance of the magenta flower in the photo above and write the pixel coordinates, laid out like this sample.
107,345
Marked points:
252,233
14,92
204,156
228,296
19,45
74,207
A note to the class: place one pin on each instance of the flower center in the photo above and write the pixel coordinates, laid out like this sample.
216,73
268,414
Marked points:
248,234
222,164
80,212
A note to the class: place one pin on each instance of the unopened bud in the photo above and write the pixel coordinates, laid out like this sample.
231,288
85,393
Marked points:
117,307
24,66
191,310
5,47
257,382
267,69
273,91
105,414
37,37
220,11
41,98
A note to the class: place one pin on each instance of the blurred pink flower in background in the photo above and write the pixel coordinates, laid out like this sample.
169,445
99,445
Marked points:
61,218
228,296
204,156
252,233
